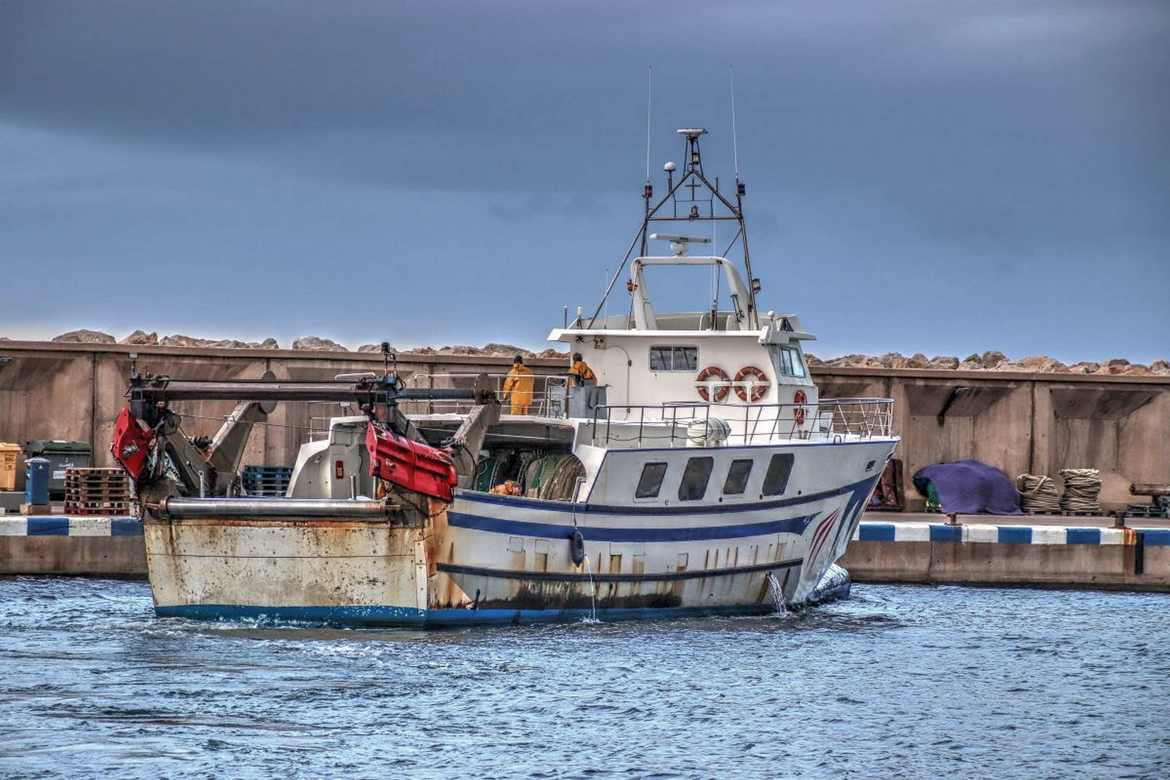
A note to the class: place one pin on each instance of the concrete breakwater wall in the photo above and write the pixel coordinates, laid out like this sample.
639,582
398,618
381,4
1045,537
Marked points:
57,545
982,554
1019,422
914,552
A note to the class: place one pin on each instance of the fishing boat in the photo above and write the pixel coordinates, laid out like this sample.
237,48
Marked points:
697,473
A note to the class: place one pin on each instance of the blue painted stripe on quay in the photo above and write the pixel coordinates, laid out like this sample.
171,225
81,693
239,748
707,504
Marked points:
47,526
408,616
125,526
792,525
876,532
946,533
1158,537
1014,535
1084,536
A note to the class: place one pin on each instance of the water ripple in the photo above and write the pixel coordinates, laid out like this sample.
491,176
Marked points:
898,681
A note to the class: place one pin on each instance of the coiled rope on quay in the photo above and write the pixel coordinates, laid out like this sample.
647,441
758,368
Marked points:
1081,488
1038,494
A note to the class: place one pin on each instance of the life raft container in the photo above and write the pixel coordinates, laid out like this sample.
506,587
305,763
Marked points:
759,386
720,390
798,398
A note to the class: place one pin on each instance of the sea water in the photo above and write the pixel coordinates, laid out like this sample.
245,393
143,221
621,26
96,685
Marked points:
898,681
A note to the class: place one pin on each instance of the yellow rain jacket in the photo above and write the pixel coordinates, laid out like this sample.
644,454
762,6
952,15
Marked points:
582,371
518,388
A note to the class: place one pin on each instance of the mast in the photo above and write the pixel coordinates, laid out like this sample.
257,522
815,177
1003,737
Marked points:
697,209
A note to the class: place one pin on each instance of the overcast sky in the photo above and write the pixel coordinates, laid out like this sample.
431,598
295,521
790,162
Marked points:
944,177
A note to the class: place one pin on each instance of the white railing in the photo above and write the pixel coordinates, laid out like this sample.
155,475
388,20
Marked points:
677,424
666,424
550,394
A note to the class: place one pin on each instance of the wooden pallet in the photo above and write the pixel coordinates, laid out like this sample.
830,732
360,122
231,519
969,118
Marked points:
105,512
97,508
267,493
1145,510
95,474
95,478
97,489
267,471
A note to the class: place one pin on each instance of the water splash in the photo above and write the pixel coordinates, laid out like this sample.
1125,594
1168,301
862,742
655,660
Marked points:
592,619
776,591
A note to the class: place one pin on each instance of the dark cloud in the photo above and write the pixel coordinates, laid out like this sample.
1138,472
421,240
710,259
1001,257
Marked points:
901,135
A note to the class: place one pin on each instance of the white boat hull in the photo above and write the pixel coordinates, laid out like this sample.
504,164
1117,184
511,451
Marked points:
491,559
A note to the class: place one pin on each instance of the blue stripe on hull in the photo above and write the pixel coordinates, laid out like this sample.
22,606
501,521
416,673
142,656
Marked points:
792,525
376,616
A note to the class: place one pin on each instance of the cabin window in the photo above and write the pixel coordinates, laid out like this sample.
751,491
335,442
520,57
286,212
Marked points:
791,363
737,477
674,358
779,469
651,480
695,477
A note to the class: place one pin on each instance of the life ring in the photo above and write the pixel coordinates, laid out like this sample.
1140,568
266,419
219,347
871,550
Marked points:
720,390
759,387
798,398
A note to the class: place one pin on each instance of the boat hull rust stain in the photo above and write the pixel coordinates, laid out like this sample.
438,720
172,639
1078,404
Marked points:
485,559
283,562
404,570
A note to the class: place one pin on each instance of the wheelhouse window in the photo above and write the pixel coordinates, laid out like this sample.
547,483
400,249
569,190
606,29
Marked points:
737,477
674,358
791,363
779,469
695,476
651,480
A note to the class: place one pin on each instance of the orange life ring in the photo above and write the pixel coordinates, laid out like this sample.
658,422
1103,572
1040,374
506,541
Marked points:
759,387
798,398
720,390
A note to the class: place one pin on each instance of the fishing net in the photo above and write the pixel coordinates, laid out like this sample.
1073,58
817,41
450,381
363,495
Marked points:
1038,494
553,477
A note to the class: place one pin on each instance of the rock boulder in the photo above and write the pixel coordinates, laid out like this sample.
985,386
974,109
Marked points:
141,337
944,362
85,337
317,344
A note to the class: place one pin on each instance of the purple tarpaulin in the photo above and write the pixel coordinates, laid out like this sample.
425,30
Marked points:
969,487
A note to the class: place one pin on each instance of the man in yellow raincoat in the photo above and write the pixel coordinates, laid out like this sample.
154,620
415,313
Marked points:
581,371
518,386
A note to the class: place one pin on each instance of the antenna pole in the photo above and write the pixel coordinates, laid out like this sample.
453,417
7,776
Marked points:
740,191
649,104
734,141
647,187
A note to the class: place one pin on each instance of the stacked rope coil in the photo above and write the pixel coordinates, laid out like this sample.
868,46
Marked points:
1038,494
1081,488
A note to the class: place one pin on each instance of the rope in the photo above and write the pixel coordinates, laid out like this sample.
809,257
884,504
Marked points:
1081,487
1038,494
